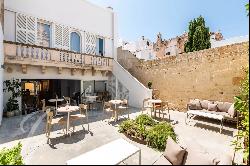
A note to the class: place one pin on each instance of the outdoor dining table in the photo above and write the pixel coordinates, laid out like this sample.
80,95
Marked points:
115,103
55,101
91,100
154,101
68,109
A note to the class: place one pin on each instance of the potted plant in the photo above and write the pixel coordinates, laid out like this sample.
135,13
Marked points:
150,85
14,88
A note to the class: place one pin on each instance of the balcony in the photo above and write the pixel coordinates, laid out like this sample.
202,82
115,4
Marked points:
24,55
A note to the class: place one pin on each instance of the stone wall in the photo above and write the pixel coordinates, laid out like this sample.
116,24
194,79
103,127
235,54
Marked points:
213,74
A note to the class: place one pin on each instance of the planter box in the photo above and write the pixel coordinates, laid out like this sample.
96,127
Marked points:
143,142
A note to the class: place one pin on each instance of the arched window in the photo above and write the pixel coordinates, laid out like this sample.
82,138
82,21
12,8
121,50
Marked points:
75,42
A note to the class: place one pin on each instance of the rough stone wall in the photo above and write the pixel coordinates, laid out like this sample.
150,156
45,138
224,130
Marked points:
213,74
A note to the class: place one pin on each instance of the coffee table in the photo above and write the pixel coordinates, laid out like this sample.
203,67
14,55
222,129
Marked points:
112,153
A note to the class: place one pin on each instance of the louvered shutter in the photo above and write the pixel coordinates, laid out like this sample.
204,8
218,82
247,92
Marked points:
25,29
90,43
58,36
61,36
66,38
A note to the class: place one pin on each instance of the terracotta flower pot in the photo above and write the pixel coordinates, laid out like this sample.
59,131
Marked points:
10,114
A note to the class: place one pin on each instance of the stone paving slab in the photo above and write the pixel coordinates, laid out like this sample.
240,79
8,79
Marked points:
203,137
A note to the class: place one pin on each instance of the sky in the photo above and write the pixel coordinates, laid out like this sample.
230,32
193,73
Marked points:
147,18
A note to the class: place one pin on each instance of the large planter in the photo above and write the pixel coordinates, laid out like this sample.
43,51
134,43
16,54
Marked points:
143,142
10,114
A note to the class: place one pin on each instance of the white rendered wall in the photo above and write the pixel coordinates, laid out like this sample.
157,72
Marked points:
75,13
137,91
1,74
9,26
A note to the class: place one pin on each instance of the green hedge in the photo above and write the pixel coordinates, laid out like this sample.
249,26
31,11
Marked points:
146,129
11,156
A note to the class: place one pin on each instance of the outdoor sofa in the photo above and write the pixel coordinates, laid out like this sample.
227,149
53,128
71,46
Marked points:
176,155
222,111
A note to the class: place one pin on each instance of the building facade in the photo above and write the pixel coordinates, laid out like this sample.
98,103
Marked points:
142,48
62,48
175,46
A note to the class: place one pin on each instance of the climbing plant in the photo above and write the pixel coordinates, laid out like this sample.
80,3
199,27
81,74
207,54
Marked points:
198,35
241,141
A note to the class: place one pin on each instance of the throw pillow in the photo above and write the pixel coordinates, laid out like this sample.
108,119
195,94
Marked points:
204,104
226,160
198,158
195,105
223,107
212,107
231,111
173,152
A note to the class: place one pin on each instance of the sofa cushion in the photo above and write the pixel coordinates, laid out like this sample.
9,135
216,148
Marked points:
231,111
212,107
223,107
225,160
162,161
173,152
204,104
198,158
195,105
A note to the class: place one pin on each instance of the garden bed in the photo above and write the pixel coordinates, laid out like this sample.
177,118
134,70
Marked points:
145,130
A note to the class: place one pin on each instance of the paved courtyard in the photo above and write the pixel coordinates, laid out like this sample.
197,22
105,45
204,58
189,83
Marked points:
29,130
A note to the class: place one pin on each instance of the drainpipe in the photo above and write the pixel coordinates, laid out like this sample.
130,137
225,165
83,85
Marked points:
1,73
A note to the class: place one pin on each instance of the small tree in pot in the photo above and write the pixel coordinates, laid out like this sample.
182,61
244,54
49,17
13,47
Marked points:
14,87
150,85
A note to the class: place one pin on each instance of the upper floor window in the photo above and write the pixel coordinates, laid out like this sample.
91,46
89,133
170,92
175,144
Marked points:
100,46
43,34
75,42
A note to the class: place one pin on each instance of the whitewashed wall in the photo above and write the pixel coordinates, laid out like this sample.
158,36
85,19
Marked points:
137,91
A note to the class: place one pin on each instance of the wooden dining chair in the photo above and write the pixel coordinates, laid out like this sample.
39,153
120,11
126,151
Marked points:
81,116
146,105
107,109
124,106
51,121
67,99
164,110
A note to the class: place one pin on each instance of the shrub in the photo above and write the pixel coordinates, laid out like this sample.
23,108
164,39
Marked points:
158,134
145,120
11,156
241,105
126,126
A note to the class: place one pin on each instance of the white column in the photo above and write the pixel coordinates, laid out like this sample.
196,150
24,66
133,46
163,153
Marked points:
1,74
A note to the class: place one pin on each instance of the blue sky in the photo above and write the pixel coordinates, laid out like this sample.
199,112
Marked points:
171,17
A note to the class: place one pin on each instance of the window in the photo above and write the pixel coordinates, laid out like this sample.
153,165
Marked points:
75,42
168,53
43,34
100,46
